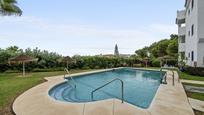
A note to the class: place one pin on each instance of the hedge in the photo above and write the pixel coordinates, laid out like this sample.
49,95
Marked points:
198,71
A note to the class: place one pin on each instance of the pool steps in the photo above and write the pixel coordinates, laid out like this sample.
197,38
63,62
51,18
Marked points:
66,72
117,79
68,93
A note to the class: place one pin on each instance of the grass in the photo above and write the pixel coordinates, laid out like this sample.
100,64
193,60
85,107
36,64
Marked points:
190,77
184,75
193,95
197,85
157,68
199,96
13,84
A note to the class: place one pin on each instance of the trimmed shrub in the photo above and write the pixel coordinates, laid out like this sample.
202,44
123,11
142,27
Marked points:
137,65
3,67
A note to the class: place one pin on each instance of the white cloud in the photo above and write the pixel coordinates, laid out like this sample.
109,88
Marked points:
35,32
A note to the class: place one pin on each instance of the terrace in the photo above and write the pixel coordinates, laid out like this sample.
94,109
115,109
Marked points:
37,101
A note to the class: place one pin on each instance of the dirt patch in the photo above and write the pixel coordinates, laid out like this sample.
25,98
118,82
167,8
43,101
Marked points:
198,112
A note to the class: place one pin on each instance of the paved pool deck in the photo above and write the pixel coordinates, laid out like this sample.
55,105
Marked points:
169,100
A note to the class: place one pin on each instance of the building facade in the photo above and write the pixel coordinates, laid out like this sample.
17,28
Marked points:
191,33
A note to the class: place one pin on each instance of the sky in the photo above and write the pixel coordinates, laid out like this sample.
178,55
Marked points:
89,27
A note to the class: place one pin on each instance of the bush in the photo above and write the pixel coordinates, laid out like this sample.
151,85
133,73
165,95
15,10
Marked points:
3,67
172,63
137,65
85,67
198,71
156,62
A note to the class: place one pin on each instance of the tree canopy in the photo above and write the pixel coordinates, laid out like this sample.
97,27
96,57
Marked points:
54,61
161,48
9,7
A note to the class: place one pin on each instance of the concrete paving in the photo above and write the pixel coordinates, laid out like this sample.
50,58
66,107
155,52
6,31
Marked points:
192,81
169,100
194,89
197,104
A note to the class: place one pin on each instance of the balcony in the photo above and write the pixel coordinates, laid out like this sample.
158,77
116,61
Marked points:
181,31
182,47
181,17
201,40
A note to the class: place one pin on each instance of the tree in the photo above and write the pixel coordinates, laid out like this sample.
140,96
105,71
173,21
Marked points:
116,52
172,48
174,36
8,7
159,49
68,60
142,53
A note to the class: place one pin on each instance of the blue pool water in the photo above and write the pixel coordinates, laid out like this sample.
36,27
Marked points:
140,87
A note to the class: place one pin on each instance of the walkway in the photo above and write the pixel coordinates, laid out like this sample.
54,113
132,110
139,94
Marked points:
169,100
193,82
196,104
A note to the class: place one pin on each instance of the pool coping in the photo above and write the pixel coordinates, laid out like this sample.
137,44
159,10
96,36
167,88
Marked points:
159,105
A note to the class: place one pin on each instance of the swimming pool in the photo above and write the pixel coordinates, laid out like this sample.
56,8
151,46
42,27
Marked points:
140,87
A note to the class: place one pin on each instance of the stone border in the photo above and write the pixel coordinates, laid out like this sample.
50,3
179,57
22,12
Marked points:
197,104
169,100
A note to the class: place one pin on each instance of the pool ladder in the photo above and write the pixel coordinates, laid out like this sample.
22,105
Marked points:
117,79
173,75
66,71
163,78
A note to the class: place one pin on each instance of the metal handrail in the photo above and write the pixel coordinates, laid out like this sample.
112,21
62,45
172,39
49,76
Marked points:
170,69
67,72
163,78
122,88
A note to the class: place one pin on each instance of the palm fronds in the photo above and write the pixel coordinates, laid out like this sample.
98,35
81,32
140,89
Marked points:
8,7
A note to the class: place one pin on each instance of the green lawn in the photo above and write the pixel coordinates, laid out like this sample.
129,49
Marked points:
157,68
197,85
190,77
184,75
13,84
199,96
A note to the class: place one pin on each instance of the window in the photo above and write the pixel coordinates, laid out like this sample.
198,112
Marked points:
192,56
189,55
182,39
192,4
203,60
192,30
189,12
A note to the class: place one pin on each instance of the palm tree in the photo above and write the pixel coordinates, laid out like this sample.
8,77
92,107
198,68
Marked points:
8,7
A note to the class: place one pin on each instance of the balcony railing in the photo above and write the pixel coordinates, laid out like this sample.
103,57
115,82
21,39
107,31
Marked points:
181,16
181,31
201,40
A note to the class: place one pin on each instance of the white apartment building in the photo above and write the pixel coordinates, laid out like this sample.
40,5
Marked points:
191,33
